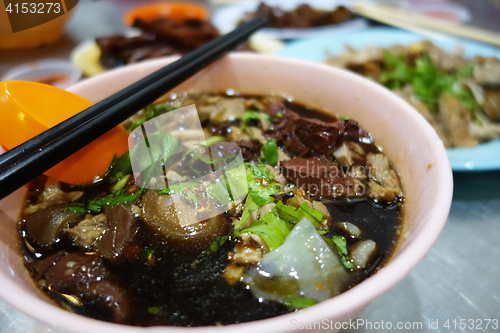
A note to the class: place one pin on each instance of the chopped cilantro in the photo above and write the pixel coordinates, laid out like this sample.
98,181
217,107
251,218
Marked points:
347,264
294,215
250,207
427,82
271,228
75,207
119,168
300,303
270,152
249,116
258,170
217,243
340,243
275,226
262,194
258,194
97,204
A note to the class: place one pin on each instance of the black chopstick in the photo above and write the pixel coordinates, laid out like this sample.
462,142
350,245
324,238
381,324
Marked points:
228,42
25,162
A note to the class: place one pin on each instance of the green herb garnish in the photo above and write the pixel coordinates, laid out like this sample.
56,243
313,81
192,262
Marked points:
119,168
216,244
95,205
427,82
249,116
75,207
271,228
294,215
340,243
270,152
299,303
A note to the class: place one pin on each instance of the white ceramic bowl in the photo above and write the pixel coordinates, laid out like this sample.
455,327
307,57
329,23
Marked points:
408,140
63,73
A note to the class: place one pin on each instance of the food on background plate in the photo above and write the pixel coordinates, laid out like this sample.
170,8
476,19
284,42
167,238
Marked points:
322,211
459,97
304,16
159,37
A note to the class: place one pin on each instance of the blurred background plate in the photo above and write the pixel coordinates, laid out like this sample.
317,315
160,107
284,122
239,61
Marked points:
228,17
484,157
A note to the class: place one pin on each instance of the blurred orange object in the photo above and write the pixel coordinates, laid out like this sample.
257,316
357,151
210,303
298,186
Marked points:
28,109
176,11
45,33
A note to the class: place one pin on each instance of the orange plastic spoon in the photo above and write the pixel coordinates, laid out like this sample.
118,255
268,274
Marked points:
28,109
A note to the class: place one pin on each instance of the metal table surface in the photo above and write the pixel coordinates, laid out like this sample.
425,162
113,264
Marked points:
459,279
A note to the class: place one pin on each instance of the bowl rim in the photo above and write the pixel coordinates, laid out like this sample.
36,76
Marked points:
347,302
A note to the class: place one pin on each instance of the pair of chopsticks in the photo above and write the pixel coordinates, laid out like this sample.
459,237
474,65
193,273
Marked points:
423,25
26,161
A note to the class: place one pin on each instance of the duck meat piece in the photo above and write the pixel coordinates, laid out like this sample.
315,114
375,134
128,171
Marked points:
160,37
301,136
114,43
319,178
492,104
304,137
106,296
250,150
73,269
383,180
120,50
115,242
303,16
191,33
455,120
486,71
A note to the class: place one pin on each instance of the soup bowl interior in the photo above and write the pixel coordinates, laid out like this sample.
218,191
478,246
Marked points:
405,137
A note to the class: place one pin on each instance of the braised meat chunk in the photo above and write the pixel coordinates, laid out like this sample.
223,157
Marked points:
320,178
304,16
159,37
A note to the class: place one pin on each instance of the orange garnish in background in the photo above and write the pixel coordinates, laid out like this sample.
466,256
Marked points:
29,108
175,11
